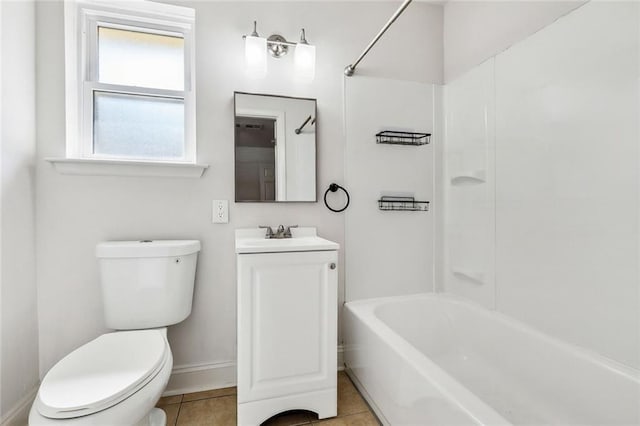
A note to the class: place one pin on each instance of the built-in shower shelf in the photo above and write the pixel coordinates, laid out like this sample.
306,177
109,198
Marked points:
402,138
469,177
473,276
402,204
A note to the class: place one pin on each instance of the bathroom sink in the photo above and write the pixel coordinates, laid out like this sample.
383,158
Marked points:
303,239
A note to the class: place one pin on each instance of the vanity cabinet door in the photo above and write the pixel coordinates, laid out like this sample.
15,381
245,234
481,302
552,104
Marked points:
287,323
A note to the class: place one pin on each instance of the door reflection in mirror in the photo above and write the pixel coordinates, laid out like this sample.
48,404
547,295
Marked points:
255,158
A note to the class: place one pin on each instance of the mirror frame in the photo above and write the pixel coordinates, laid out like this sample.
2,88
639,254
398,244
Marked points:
315,109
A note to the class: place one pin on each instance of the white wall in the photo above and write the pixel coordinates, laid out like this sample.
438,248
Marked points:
77,212
566,181
390,253
19,326
476,30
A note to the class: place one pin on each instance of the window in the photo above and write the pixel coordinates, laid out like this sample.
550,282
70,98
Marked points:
130,81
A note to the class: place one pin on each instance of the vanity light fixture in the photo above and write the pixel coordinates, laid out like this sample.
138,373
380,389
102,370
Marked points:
256,48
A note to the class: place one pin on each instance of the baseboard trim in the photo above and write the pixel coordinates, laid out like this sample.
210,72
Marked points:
19,414
199,377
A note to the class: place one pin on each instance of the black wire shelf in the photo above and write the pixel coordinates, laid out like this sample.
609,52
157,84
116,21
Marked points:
391,203
403,138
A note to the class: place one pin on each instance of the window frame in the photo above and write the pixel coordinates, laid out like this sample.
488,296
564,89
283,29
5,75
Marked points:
82,20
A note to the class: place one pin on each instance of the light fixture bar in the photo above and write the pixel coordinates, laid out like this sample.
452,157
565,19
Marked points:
277,46
279,43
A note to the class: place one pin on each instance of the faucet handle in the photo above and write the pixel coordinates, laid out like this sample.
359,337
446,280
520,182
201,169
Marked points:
269,232
287,232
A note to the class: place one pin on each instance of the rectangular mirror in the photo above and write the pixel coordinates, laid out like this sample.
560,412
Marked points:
275,148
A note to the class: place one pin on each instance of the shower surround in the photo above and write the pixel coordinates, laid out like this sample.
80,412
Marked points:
516,299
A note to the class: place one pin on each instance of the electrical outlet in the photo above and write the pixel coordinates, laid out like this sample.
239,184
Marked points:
220,211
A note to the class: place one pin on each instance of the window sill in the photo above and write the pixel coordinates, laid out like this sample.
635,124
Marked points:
91,167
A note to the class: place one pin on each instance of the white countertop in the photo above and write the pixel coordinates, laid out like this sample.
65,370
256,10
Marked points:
252,240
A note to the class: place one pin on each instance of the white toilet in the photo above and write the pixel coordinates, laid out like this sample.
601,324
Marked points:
117,378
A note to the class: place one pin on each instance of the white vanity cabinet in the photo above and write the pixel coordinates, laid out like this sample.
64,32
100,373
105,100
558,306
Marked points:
287,325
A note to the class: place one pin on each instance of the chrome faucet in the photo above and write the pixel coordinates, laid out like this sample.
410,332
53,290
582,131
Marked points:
287,232
280,233
269,234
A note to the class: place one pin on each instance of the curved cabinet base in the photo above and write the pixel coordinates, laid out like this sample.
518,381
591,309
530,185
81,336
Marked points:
322,402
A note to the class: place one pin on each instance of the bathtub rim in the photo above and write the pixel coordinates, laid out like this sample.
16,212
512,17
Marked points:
371,305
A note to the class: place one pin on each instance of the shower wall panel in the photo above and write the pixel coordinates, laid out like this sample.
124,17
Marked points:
566,179
388,252
470,185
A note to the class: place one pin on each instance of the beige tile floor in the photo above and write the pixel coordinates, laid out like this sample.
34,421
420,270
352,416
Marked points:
218,408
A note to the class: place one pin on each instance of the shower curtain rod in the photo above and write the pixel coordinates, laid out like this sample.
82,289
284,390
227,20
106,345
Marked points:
350,69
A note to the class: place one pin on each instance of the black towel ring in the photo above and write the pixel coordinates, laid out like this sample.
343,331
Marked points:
333,188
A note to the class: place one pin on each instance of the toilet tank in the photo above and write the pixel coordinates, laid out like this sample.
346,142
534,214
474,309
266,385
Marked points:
147,284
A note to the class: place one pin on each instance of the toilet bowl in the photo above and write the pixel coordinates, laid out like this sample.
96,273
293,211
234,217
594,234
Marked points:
117,378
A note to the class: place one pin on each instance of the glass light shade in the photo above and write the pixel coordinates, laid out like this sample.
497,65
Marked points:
255,56
305,61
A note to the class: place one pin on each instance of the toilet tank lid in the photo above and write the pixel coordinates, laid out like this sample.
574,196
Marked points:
146,248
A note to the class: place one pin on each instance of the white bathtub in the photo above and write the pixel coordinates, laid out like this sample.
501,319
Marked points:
437,360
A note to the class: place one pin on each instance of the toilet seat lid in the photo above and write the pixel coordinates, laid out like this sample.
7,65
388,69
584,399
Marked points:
102,373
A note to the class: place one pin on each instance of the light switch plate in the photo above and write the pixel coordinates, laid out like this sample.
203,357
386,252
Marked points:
220,211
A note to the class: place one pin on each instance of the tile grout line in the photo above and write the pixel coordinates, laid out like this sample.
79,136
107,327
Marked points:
211,397
175,423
